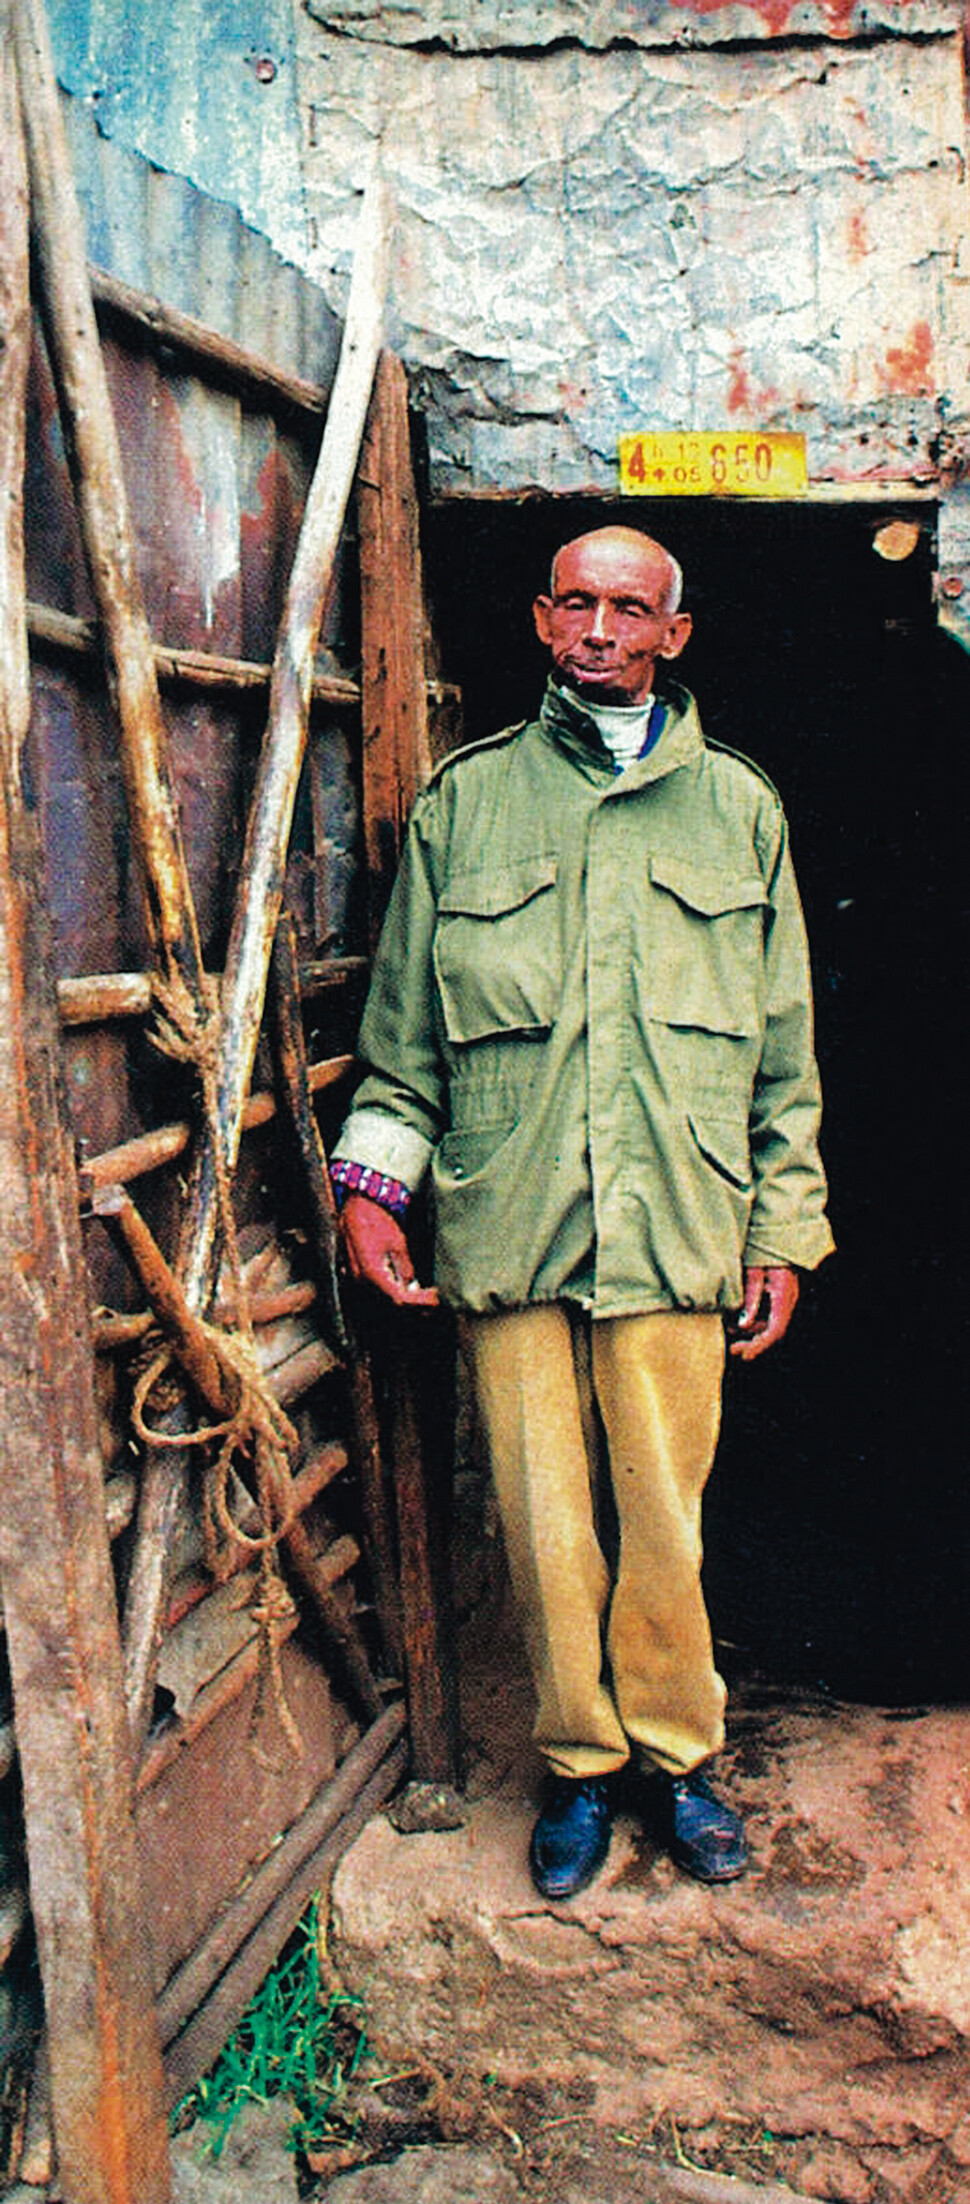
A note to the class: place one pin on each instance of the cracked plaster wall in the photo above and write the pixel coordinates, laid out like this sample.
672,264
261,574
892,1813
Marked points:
600,237
622,214
520,26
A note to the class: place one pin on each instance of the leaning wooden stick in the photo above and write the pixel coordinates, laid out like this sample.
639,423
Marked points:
92,443
293,1095
258,905
260,892
292,1075
209,1364
61,1630
109,541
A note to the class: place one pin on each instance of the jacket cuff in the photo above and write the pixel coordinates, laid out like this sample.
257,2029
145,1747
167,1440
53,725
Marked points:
386,1145
805,1250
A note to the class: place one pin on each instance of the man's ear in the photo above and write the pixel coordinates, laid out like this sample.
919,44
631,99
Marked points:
678,633
542,615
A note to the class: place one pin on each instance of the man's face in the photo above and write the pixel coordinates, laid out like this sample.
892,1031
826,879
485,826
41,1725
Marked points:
608,619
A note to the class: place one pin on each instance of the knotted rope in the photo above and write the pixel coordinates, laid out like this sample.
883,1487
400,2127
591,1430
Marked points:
255,1425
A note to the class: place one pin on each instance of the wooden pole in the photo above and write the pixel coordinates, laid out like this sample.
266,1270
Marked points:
203,349
397,759
99,483
418,1358
396,765
149,1151
297,1872
260,892
194,1346
100,996
295,1102
293,1081
58,1591
193,1980
165,1485
64,633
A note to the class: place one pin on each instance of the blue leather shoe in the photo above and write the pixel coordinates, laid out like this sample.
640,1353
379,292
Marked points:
703,1835
571,1838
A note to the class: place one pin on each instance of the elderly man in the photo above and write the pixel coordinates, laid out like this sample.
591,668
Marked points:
590,1017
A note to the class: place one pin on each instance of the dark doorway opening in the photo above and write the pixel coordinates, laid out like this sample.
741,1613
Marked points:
838,1524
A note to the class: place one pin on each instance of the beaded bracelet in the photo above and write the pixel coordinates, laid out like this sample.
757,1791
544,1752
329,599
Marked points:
360,1178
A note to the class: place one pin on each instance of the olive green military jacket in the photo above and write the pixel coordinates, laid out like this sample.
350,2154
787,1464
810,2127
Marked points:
591,1012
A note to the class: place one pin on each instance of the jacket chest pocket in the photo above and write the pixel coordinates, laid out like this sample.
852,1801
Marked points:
704,953
702,988
497,956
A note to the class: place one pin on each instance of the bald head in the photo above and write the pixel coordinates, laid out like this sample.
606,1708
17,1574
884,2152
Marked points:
626,544
613,610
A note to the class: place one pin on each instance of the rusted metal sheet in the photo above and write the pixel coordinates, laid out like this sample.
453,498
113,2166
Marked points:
217,492
200,588
241,1821
89,426
54,1561
256,908
257,904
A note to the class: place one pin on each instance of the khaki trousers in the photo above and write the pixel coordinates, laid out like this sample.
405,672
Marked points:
620,1663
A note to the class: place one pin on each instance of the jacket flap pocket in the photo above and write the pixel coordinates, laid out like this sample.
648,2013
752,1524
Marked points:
723,1141
488,893
496,950
704,889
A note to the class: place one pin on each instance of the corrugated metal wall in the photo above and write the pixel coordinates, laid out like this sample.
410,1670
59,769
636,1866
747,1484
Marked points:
204,88
147,224
216,485
216,489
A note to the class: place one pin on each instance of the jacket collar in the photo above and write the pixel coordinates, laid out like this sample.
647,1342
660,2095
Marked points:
565,721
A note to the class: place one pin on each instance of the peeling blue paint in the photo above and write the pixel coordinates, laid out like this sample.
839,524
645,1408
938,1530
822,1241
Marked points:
204,88
159,233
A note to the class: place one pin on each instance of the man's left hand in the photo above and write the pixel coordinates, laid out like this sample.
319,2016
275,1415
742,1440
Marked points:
770,1294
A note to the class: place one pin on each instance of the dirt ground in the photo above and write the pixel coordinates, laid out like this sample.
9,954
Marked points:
802,2034
808,2025
416,2141
551,2146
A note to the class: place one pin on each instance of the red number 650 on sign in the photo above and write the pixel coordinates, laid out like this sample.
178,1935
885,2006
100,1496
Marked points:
712,462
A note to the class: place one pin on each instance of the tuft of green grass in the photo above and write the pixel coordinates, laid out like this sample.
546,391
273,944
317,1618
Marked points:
296,2039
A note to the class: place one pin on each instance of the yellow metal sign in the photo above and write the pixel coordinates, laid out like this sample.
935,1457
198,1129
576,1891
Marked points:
713,463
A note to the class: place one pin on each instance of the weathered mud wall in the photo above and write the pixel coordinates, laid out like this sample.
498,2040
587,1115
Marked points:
631,214
594,241
524,26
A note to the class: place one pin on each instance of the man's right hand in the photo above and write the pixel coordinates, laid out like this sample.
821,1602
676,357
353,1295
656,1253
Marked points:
378,1253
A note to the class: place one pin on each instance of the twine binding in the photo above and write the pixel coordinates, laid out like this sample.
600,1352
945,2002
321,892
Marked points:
190,1033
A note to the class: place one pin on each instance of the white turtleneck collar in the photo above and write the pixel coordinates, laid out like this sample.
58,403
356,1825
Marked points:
625,729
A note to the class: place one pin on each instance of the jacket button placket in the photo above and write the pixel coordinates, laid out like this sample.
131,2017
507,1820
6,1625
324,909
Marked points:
608,966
